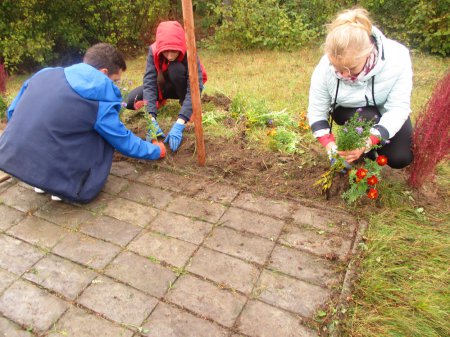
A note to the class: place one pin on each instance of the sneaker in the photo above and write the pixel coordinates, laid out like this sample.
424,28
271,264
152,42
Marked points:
38,190
55,198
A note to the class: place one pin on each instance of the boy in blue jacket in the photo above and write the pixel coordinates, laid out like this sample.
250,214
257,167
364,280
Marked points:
64,125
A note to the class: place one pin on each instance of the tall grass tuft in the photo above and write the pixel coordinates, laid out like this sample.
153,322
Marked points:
431,139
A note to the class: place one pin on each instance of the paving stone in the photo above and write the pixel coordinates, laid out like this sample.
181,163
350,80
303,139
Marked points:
130,211
31,306
206,299
144,194
201,209
168,321
17,256
78,323
262,320
181,227
115,185
218,192
245,246
124,169
275,208
223,269
7,183
141,273
9,216
9,329
6,278
305,266
110,229
86,250
61,276
23,199
38,232
117,302
99,203
331,222
167,180
252,222
290,294
63,214
169,250
327,245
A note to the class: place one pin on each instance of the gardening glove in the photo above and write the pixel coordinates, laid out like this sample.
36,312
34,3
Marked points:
159,131
175,136
161,147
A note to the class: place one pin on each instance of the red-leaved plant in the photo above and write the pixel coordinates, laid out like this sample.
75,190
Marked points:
3,77
431,140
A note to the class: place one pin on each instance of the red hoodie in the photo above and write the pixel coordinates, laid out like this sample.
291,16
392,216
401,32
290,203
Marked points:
170,36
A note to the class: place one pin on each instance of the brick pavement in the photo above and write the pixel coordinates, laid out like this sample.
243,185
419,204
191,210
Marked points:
160,254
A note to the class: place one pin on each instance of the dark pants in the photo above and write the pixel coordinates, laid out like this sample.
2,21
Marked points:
398,150
174,86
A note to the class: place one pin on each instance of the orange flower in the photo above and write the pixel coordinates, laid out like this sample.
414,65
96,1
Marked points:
382,160
361,173
373,180
373,193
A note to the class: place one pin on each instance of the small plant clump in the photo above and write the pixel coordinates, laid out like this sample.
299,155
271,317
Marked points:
364,180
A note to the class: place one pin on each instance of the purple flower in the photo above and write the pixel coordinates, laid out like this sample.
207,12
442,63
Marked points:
360,119
359,110
123,104
359,130
345,129
270,122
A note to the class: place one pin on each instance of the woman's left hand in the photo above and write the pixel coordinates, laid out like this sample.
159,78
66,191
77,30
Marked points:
351,156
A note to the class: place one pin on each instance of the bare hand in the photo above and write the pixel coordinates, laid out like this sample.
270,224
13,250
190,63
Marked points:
351,156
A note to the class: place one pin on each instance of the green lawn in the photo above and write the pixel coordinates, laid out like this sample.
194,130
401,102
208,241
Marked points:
403,283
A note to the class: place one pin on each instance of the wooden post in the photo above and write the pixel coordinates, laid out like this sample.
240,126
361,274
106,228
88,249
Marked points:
188,18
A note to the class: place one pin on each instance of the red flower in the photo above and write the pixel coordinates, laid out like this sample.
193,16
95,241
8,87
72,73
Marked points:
382,160
372,180
373,193
361,173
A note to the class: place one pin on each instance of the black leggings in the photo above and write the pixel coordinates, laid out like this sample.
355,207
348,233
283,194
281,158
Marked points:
398,150
175,85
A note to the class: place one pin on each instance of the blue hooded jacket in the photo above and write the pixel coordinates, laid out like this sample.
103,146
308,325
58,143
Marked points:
62,129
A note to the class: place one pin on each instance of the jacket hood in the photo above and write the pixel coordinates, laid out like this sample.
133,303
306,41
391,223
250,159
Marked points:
92,84
170,36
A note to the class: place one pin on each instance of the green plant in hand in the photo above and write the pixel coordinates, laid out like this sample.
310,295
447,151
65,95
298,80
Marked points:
152,131
352,135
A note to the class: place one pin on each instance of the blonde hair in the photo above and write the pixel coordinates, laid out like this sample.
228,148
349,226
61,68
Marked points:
350,31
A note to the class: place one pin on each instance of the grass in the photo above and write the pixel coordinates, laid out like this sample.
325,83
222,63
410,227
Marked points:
403,285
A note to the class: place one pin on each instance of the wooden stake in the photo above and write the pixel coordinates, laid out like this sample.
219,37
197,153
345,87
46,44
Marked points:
188,18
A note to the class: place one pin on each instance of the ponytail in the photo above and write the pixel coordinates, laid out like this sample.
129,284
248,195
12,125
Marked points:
351,30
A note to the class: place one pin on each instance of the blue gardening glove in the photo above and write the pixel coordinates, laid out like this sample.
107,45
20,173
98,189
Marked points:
175,136
159,131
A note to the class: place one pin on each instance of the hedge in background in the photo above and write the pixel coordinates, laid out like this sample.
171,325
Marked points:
38,32
275,24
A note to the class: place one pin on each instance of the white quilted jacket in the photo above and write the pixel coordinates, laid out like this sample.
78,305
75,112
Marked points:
393,85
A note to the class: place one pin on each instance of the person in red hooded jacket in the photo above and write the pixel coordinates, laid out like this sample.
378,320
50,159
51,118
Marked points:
166,76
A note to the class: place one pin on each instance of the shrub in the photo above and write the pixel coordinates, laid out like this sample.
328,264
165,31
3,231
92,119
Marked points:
431,137
39,32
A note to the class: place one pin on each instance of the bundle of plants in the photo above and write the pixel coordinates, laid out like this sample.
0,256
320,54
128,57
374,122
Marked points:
431,137
363,180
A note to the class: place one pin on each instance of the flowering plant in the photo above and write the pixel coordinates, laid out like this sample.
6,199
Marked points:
352,135
364,180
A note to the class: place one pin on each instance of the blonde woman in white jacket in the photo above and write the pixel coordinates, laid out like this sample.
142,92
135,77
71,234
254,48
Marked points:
363,70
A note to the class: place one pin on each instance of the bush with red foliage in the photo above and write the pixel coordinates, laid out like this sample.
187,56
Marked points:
3,76
431,140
